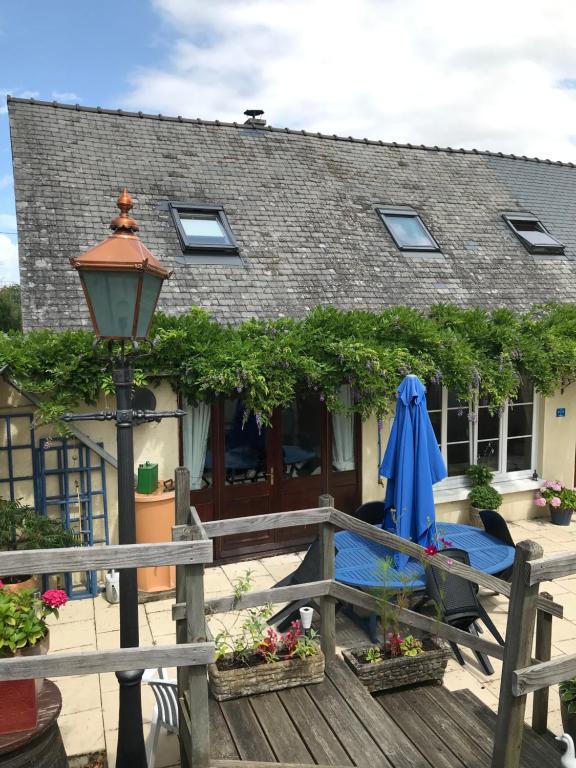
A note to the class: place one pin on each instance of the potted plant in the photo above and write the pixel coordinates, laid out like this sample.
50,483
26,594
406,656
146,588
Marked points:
400,660
560,499
567,691
482,495
21,527
24,632
257,658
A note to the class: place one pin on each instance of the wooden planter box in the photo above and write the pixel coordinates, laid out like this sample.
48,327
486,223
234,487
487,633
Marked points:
402,670
273,676
21,700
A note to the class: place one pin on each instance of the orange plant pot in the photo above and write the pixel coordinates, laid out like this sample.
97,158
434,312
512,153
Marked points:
155,516
21,711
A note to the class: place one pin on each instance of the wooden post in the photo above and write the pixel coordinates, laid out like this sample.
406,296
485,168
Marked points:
327,570
182,517
543,653
517,654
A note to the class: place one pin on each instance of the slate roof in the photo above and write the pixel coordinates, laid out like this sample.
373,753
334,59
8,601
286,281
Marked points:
301,206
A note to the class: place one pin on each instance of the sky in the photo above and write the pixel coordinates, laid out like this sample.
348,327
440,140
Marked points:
496,74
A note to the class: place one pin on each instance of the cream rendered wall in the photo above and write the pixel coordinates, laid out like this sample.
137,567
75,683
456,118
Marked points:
152,442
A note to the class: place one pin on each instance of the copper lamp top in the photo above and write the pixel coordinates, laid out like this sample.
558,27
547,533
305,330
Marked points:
123,250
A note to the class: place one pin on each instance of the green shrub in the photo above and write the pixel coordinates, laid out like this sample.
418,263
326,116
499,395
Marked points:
480,474
568,694
484,497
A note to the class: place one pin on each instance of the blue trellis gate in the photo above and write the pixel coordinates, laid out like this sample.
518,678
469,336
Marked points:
72,485
17,448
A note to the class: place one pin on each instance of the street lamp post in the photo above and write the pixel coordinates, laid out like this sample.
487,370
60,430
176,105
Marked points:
122,280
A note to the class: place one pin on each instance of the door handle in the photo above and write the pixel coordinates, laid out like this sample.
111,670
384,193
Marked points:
270,476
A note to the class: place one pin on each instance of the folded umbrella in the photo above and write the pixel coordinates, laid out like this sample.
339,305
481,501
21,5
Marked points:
412,463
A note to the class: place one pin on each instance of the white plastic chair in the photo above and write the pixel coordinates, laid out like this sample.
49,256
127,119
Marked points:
165,713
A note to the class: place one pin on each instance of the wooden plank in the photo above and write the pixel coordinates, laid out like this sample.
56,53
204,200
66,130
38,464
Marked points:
117,556
197,523
543,653
313,728
536,750
372,533
327,603
449,731
551,567
260,764
399,750
222,745
416,729
286,742
246,731
276,520
253,599
547,673
182,517
519,637
359,745
433,626
92,662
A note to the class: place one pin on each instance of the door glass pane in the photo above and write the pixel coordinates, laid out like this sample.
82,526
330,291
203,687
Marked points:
301,438
458,459
489,453
519,420
519,454
458,425
244,444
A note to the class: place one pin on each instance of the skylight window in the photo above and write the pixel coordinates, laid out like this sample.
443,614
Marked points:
203,229
407,229
532,234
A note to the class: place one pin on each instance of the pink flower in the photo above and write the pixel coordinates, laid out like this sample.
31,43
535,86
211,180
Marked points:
1,584
431,549
556,486
54,598
540,501
555,501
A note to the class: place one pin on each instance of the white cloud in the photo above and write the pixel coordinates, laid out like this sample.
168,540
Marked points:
6,181
66,96
492,75
17,93
9,272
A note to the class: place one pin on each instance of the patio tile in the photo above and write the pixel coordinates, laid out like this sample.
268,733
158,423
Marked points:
80,693
161,623
110,640
167,755
82,732
74,610
76,635
107,616
563,630
155,606
110,704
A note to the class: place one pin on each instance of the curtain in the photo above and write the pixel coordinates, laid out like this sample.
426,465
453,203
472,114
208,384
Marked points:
195,437
343,434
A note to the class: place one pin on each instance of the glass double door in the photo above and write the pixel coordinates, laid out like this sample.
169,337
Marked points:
252,469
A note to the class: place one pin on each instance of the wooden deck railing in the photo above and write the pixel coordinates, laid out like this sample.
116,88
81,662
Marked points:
191,549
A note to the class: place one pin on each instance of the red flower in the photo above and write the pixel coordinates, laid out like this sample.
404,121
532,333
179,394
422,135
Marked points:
431,549
54,598
1,584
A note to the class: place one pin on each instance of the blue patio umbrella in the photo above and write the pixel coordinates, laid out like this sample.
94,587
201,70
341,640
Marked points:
412,463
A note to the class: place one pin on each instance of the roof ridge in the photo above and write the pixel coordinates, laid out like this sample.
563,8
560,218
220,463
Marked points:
272,129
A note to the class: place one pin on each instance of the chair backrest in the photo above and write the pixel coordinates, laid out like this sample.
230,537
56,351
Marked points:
166,695
496,526
309,568
372,512
455,596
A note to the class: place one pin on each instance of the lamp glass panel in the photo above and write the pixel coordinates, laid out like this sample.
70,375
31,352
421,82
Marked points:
151,288
112,296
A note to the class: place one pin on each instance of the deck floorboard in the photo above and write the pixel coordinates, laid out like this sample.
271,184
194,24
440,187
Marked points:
337,722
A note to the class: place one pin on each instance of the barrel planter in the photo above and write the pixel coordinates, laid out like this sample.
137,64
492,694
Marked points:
260,678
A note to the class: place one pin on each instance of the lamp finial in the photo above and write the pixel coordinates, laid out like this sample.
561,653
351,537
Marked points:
124,222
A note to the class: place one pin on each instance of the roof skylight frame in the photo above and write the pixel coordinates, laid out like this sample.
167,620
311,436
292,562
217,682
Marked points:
189,243
407,212
552,247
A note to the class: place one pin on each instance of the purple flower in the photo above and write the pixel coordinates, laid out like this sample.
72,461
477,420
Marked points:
472,417
322,397
380,423
238,388
369,365
258,417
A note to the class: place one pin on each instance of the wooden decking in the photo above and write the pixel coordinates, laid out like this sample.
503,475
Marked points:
339,723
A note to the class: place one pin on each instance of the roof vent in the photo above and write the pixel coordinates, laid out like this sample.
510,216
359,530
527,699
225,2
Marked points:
254,117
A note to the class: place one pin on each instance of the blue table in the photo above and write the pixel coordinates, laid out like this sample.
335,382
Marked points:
359,561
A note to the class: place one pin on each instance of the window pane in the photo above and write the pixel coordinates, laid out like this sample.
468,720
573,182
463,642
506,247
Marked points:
458,426
519,454
455,402
489,453
434,397
409,232
525,392
488,425
301,438
458,459
245,446
204,229
436,419
519,420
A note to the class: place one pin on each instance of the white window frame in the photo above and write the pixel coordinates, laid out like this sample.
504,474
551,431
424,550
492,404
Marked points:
501,475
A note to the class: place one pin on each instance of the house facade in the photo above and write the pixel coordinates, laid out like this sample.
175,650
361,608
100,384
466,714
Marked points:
260,222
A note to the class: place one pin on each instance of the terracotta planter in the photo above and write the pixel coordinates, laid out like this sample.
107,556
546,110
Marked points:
29,582
261,678
397,672
475,519
155,515
560,516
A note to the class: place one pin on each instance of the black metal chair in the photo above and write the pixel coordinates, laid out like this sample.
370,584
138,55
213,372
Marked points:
458,604
496,526
309,570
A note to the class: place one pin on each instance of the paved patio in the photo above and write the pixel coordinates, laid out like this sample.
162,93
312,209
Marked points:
90,703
